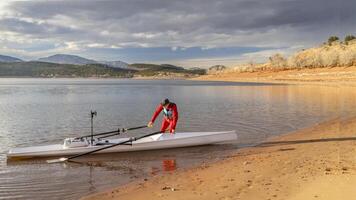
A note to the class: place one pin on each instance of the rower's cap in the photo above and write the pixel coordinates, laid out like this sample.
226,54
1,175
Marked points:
165,102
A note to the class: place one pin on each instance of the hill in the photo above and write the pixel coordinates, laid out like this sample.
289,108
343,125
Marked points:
336,54
331,62
155,67
65,65
327,55
164,70
78,60
4,58
47,69
44,69
117,64
67,59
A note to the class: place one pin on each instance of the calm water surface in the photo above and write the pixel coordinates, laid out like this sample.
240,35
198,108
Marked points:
44,111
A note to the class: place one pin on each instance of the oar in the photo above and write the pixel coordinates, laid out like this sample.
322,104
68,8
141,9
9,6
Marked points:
134,128
116,131
107,147
106,136
123,131
104,133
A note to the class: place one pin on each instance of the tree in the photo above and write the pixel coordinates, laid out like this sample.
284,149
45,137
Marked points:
349,38
332,39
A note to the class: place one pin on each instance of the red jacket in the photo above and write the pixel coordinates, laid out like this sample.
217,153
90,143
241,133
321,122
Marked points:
171,115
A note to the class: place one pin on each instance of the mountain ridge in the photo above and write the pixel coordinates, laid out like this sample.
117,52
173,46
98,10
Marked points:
50,70
5,58
79,60
67,59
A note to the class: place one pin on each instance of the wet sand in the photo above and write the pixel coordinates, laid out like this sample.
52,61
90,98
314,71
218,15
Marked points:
314,163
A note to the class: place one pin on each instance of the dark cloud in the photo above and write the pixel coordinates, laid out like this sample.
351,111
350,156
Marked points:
33,28
227,14
98,10
187,23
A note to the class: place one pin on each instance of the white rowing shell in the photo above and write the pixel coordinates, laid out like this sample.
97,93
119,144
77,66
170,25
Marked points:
159,141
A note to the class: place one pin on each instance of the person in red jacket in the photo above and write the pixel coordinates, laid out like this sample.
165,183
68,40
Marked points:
170,118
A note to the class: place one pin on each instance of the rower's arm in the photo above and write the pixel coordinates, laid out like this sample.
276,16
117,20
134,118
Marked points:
156,113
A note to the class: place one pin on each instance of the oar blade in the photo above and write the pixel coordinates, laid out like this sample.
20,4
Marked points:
59,160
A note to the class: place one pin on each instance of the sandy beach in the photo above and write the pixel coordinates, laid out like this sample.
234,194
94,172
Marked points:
313,163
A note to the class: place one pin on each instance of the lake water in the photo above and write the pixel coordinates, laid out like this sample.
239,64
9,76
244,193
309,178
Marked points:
44,111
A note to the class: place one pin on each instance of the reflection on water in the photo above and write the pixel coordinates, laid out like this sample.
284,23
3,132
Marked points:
169,165
44,111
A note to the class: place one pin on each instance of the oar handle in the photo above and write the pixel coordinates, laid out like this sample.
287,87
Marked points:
120,143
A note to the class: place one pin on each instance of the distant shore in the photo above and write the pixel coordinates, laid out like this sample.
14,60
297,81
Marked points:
320,76
313,163
335,76
169,77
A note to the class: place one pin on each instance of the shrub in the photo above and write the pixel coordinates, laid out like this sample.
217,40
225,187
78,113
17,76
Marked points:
332,39
330,58
278,61
347,58
349,38
216,69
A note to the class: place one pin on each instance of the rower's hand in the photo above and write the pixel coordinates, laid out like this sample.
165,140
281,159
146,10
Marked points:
173,131
150,124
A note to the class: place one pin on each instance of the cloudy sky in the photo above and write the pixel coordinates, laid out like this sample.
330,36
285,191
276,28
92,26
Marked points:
185,32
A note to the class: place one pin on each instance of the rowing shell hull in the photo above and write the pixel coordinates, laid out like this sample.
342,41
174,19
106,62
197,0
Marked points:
159,141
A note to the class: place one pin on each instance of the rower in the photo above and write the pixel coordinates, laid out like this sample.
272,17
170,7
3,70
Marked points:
170,118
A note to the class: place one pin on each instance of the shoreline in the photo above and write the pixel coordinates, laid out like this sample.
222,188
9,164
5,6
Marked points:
336,76
305,164
269,81
332,76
